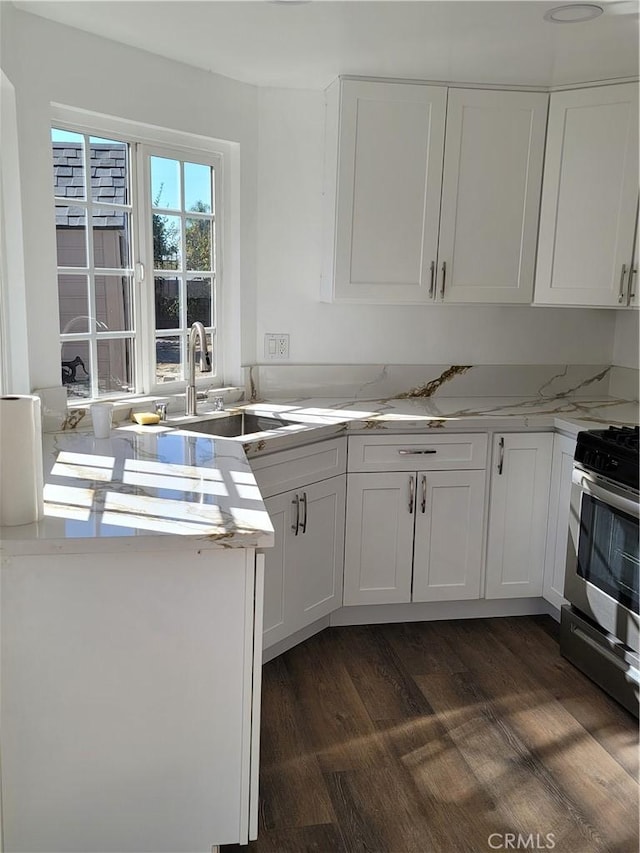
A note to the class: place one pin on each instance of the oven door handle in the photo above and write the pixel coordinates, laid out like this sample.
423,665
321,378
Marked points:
610,498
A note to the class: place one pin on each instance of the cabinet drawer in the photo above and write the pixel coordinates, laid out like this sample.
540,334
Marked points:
301,466
417,452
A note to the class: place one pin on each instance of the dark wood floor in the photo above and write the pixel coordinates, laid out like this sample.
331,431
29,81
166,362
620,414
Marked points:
442,737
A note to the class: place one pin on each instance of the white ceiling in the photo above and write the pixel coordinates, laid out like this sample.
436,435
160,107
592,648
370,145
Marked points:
307,45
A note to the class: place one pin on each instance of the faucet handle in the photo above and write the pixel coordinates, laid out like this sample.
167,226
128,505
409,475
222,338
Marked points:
217,402
161,409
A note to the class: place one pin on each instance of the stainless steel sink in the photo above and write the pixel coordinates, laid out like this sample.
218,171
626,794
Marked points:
236,425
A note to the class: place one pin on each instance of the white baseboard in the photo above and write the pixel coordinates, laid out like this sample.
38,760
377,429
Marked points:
430,611
293,640
552,610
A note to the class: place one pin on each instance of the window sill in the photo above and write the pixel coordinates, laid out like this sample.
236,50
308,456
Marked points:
75,414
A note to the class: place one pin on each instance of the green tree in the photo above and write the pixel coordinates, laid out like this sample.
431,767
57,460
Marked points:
166,239
198,239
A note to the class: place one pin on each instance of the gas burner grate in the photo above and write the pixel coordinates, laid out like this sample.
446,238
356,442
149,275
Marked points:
622,436
612,453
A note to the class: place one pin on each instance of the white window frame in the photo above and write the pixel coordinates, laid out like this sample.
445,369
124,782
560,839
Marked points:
93,336
223,156
145,153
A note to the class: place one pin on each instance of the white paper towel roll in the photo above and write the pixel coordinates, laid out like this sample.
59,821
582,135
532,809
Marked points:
21,481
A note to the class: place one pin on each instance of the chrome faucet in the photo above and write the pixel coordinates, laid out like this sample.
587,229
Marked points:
197,336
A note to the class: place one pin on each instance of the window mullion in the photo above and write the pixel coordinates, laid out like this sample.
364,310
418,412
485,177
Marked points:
93,323
144,287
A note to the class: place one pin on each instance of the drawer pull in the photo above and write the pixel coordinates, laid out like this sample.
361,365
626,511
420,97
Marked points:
423,505
303,523
415,452
412,494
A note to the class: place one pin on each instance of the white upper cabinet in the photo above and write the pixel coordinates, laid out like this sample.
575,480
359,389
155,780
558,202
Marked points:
412,219
491,195
589,198
391,139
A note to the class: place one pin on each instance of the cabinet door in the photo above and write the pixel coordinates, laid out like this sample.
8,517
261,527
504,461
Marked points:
490,195
379,538
589,197
518,508
558,525
317,553
277,591
447,563
388,197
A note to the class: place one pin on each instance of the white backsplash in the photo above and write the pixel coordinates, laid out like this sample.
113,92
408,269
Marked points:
624,383
383,381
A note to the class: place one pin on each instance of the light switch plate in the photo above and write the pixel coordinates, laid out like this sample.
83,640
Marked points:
276,346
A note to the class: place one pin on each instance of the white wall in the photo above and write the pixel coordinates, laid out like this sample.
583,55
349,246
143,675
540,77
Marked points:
625,343
14,371
281,141
291,126
50,63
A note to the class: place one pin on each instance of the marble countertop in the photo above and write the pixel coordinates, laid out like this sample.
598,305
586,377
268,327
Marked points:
167,481
319,418
143,485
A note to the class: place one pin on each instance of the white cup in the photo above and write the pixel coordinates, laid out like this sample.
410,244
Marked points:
101,415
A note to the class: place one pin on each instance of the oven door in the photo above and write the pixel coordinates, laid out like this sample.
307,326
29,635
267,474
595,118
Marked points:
601,579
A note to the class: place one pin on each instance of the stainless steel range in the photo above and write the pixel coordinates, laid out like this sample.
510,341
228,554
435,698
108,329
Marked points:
600,628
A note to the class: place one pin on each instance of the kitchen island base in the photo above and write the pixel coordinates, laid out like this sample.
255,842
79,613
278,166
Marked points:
131,699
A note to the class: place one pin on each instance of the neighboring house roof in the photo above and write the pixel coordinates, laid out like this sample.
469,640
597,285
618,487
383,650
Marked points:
108,165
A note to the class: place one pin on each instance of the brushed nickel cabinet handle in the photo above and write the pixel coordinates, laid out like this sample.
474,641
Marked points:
412,494
433,279
415,452
444,277
633,272
501,459
423,504
296,527
303,523
622,275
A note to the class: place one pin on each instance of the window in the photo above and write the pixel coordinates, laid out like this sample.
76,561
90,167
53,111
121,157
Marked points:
123,207
183,226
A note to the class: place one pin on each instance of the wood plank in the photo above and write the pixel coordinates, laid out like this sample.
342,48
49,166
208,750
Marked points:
607,721
339,729
421,648
287,764
431,736
526,798
572,758
386,690
323,838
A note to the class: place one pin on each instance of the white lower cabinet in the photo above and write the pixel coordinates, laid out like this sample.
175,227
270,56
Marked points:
564,449
518,511
304,490
447,562
303,571
378,549
413,536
